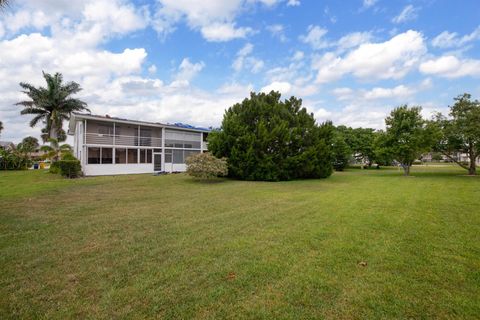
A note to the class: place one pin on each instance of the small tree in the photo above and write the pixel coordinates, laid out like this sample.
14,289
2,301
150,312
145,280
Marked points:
55,151
28,144
407,136
461,132
341,151
206,166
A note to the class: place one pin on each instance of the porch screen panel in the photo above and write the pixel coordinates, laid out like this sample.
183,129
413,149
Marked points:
178,156
188,153
168,155
132,156
120,155
107,155
182,139
93,155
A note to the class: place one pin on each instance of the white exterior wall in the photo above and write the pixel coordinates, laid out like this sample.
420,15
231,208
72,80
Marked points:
114,169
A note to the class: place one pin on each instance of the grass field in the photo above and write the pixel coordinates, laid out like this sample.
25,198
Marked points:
363,244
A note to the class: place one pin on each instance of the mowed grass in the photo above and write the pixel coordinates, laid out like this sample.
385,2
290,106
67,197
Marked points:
362,244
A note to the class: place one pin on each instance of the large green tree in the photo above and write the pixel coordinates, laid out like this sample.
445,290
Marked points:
361,143
461,132
52,104
264,138
407,136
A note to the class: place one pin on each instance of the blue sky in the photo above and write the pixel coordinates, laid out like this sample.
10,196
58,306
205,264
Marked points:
187,61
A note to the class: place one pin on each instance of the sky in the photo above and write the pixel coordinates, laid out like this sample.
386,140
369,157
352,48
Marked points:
187,61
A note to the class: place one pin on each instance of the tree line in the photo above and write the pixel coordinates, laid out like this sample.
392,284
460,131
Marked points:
264,138
408,136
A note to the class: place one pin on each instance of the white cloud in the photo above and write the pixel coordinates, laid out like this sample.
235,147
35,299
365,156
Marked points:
315,37
282,87
293,3
369,3
278,31
452,39
219,32
407,14
451,67
391,59
244,60
354,39
215,19
152,69
298,55
187,70
399,93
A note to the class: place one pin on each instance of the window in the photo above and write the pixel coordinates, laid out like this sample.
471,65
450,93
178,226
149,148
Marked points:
93,155
178,156
120,155
145,156
132,156
107,155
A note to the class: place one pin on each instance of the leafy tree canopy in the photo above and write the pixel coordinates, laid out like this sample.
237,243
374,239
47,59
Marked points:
265,138
28,144
407,136
461,132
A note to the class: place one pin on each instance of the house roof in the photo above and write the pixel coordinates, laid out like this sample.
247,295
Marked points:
5,144
178,125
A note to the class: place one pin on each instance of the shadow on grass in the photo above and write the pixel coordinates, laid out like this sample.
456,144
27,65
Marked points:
212,181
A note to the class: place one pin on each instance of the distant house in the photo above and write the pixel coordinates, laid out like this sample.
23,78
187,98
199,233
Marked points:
109,146
6,144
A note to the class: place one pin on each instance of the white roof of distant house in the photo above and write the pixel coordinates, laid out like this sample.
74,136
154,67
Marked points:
5,144
78,116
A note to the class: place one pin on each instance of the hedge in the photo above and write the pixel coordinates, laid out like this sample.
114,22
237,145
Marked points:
69,168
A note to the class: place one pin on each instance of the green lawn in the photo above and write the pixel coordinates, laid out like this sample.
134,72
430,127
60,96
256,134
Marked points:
171,247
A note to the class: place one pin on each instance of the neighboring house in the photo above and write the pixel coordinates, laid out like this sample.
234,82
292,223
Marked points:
6,144
109,146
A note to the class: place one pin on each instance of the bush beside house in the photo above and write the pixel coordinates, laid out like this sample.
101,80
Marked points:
206,166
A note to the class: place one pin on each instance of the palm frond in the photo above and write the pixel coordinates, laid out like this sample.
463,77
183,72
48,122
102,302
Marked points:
36,120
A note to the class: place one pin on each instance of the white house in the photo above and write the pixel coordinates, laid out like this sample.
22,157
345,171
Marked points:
108,146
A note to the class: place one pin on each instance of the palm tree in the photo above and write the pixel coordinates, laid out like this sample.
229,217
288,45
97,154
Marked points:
51,105
1,123
3,3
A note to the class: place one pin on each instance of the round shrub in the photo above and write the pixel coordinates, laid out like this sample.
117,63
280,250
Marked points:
206,166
